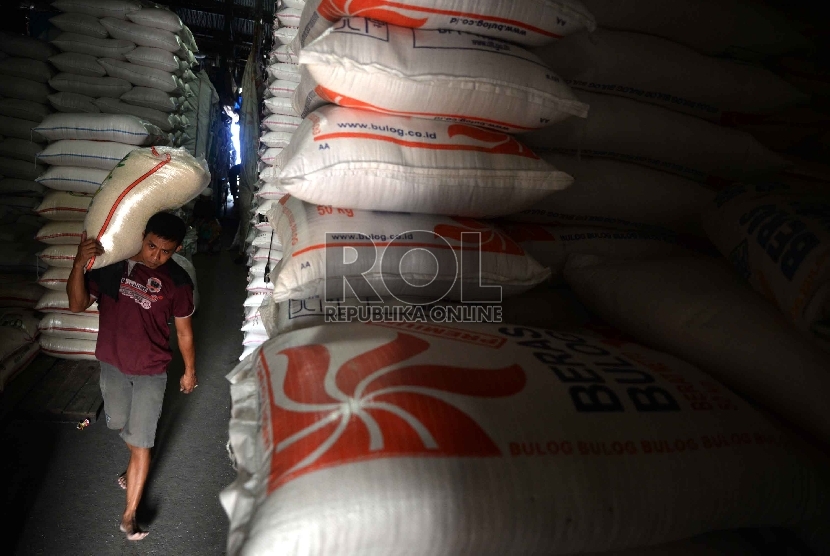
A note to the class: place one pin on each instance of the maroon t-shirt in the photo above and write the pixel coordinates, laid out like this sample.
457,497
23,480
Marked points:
133,333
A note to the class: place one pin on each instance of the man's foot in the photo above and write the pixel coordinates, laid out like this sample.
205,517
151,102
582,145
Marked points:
132,531
122,480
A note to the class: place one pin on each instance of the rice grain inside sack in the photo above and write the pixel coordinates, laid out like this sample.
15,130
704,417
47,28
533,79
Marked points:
365,160
779,240
527,23
697,309
393,254
441,75
147,181
488,439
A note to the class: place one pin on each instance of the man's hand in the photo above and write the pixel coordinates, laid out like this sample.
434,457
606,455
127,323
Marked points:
188,383
87,249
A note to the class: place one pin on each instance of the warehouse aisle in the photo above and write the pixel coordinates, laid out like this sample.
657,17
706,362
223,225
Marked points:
60,495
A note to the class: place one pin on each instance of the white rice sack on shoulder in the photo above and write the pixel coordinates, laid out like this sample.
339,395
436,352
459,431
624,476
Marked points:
64,205
618,194
121,128
778,239
365,160
527,23
440,75
103,155
95,87
99,48
76,179
82,24
73,103
147,181
414,255
142,35
78,327
99,8
633,131
78,64
456,436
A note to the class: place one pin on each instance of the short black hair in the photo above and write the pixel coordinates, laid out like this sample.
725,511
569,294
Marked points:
167,226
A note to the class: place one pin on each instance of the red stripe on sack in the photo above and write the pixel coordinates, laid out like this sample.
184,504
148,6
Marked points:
124,193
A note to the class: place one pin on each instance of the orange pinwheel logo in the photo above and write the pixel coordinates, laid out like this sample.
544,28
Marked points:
492,241
502,143
374,407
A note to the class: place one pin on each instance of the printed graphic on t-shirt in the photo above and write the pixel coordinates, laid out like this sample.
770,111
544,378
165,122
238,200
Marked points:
143,295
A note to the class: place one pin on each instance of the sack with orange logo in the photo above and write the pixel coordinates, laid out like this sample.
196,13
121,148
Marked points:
440,75
386,254
365,160
528,23
497,439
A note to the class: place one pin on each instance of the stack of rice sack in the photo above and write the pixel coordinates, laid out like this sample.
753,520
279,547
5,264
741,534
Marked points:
118,57
197,114
18,333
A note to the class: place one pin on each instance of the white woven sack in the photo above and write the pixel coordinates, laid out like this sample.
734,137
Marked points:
99,8
619,194
82,24
147,181
87,154
281,122
297,4
552,245
283,53
151,98
17,362
779,240
19,320
154,58
20,129
658,71
284,72
100,48
700,311
11,340
634,131
285,35
739,29
142,35
64,206
78,327
25,46
76,179
24,109
140,76
78,64
20,169
162,120
26,68
254,300
25,89
100,127
492,406
20,149
276,139
270,189
58,302
19,290
289,17
457,77
280,105
269,156
421,262
14,186
73,103
68,348
157,17
404,164
281,88
55,278
60,233
60,256
529,23
95,87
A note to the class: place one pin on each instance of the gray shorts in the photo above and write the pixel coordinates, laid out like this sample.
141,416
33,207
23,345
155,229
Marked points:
132,404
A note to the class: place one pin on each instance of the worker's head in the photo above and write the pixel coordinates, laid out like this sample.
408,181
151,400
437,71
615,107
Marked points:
163,236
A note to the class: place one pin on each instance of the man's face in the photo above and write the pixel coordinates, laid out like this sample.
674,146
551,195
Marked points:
155,250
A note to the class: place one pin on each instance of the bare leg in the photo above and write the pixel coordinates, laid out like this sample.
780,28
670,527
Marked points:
137,471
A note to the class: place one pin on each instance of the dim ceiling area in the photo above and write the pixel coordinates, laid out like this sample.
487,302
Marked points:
224,31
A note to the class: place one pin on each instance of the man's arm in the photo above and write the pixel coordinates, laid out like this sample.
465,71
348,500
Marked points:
184,333
79,298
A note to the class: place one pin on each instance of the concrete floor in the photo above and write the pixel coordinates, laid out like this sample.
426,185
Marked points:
60,495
